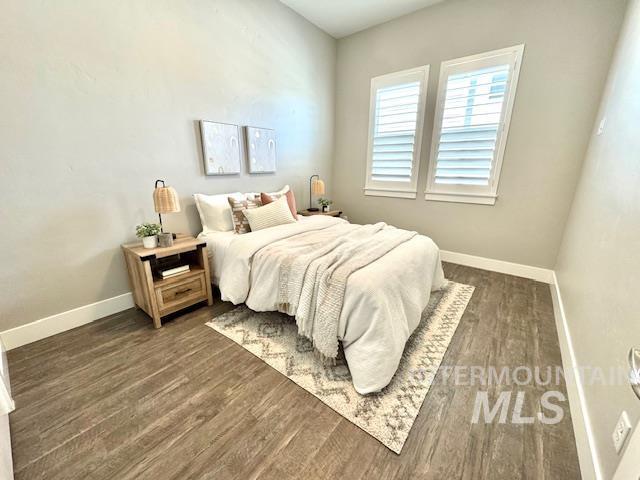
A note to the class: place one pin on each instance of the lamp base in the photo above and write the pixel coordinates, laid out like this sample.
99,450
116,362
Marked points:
313,209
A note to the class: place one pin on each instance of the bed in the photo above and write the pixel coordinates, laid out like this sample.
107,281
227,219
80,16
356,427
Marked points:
383,300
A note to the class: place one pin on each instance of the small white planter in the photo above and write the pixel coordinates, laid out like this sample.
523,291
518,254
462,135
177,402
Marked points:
150,241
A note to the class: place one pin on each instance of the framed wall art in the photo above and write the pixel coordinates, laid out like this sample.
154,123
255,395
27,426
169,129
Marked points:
261,150
220,148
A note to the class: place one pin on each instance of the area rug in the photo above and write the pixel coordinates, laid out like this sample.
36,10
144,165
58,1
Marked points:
388,415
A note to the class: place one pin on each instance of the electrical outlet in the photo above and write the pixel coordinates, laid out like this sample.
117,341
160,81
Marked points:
621,432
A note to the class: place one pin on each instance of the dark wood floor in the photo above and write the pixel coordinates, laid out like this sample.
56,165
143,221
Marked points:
116,399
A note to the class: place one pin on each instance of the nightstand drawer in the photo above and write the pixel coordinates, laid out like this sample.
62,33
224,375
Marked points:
175,296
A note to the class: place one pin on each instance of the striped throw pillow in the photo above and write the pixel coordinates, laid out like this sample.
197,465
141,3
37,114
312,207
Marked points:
276,213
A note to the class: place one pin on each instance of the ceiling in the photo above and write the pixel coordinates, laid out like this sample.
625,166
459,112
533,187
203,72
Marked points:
340,18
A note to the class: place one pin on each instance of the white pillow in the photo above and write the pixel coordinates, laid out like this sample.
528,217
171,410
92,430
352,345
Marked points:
271,215
215,211
252,195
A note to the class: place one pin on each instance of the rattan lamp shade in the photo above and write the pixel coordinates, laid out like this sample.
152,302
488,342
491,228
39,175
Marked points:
165,200
317,187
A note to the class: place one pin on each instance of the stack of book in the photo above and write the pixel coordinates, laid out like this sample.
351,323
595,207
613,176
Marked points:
172,272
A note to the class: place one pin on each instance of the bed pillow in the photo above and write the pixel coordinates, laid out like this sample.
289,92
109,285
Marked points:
238,207
268,198
215,212
274,214
282,191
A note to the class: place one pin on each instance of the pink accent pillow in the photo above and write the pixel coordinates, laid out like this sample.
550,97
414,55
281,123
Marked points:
291,201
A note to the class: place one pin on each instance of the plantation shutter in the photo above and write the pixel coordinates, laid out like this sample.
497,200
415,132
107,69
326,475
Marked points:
475,99
395,130
470,123
394,135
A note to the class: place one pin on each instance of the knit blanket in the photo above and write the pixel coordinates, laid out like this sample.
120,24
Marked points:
314,270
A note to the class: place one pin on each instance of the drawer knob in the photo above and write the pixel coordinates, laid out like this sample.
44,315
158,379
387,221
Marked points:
182,292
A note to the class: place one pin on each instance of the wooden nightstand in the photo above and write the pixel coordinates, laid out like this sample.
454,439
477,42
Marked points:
159,297
330,213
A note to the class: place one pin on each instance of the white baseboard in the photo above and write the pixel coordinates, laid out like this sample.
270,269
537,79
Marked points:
535,273
61,322
585,443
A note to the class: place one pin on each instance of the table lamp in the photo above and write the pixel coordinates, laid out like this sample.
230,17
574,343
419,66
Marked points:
165,200
316,187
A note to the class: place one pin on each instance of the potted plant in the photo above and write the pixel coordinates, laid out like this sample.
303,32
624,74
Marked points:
324,203
148,232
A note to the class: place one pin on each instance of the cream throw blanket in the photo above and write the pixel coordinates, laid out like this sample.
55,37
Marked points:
314,269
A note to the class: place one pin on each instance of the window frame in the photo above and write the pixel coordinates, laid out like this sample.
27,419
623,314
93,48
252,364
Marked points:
397,189
485,195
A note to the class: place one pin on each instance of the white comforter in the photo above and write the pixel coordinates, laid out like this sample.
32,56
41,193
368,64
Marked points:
382,305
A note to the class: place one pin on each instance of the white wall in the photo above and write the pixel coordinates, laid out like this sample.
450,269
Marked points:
568,51
598,267
100,98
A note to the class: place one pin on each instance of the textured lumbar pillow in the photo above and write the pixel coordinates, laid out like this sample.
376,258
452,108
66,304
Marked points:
268,198
238,206
276,213
215,212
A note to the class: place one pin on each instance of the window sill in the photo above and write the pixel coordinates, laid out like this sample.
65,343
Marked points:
377,192
460,198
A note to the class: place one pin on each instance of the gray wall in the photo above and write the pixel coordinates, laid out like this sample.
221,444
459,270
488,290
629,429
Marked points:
598,266
99,98
567,54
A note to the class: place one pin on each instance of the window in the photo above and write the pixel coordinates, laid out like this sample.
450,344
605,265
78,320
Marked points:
396,114
475,98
